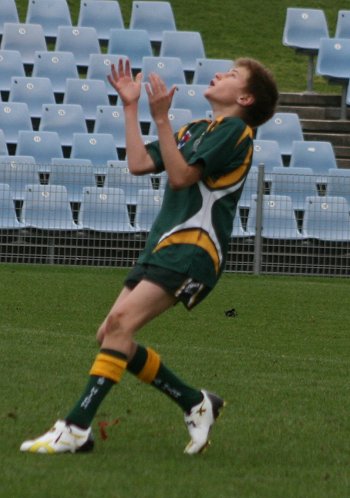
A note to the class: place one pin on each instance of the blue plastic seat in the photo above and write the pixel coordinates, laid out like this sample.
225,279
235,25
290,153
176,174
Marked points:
49,14
134,43
206,69
42,145
317,155
98,147
14,116
284,128
303,29
3,145
100,66
104,210
343,24
8,218
8,13
103,16
297,183
327,218
10,65
148,204
250,188
34,91
169,69
57,66
47,207
144,110
74,176
80,40
338,183
17,172
25,38
191,97
110,119
119,176
154,17
237,228
268,153
65,119
187,45
177,117
87,93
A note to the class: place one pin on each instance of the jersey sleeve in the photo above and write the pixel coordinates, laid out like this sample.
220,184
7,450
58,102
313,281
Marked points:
153,150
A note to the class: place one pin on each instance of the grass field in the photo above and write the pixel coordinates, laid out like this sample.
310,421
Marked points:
282,364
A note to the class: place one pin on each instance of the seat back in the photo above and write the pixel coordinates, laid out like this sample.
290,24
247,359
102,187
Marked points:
100,66
110,119
49,14
177,117
87,93
343,24
327,218
168,68
148,205
206,69
268,153
103,16
317,155
42,145
10,65
192,97
333,59
34,91
14,116
26,38
65,119
303,28
284,128
8,218
134,43
17,172
338,183
8,13
98,147
187,45
57,66
73,176
154,17
119,176
80,40
297,183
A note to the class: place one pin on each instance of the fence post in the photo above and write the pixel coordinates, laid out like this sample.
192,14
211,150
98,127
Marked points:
259,219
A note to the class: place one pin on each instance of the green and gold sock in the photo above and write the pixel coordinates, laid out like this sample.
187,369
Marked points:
148,367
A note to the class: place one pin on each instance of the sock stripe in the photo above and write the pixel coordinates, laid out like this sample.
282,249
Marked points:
150,368
108,366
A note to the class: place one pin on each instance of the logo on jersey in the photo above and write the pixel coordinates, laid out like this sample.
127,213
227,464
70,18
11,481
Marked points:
184,139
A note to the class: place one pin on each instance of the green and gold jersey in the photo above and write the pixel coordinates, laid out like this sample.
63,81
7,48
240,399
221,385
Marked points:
192,231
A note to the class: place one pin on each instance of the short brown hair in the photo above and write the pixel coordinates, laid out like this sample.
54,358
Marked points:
262,85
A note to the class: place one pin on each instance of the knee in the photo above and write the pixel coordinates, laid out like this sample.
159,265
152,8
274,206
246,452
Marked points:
113,325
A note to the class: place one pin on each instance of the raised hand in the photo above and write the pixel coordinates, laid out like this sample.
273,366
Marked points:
159,97
121,79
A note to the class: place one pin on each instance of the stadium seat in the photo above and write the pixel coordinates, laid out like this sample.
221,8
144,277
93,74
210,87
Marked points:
46,207
10,65
297,183
100,66
317,155
87,93
73,176
327,218
284,128
98,147
110,119
268,153
237,227
34,91
279,221
3,145
169,69
343,24
333,64
14,116
65,119
134,43
25,38
250,188
42,145
8,13
81,41
206,69
154,17
177,118
8,218
191,97
17,172
104,210
187,45
303,29
148,204
144,111
49,14
119,176
338,183
57,66
103,16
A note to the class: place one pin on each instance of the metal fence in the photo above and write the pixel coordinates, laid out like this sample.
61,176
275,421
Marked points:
289,220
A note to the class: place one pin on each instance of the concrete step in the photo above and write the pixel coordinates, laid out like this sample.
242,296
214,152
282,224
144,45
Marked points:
335,138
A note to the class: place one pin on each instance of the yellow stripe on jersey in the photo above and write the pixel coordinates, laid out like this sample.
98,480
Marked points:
233,177
193,236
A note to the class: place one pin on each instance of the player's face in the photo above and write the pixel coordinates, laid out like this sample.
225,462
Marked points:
227,87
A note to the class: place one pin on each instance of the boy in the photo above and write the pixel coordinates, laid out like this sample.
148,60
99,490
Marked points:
206,164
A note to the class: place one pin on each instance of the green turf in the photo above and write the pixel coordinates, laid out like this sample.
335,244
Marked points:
282,364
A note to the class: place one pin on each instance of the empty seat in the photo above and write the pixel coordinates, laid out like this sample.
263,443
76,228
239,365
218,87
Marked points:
104,210
25,38
49,14
327,218
65,119
119,176
73,176
103,16
57,66
297,183
154,17
98,147
144,112
8,13
206,69
192,97
3,145
284,128
148,204
169,69
46,207
177,117
110,119
303,29
268,153
250,188
34,91
80,40
17,172
317,155
14,116
87,93
134,43
8,218
100,67
338,183
42,145
10,65
343,24
187,45
278,218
